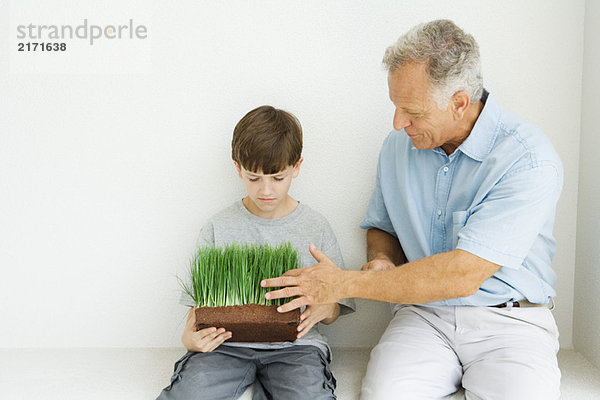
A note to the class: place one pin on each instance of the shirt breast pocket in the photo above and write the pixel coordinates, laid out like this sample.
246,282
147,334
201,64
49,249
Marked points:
459,219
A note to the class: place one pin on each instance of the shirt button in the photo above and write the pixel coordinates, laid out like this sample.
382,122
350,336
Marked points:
445,169
439,212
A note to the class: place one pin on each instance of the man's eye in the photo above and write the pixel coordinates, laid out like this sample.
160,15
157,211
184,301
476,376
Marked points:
278,179
253,179
415,114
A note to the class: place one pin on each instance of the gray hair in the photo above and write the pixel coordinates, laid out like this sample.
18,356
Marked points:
450,55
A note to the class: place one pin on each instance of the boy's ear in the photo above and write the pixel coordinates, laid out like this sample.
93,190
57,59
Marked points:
239,170
297,167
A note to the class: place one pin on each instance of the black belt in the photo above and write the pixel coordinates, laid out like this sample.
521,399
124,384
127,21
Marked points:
521,303
507,304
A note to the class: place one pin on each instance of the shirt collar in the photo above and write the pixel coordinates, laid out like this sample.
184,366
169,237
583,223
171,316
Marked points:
480,141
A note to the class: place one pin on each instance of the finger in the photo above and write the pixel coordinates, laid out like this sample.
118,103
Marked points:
292,272
279,282
318,254
305,328
208,336
294,304
283,293
217,341
206,333
191,318
305,314
214,342
302,325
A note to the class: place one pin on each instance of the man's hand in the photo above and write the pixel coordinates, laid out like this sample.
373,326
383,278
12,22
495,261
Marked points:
378,264
320,284
326,313
204,340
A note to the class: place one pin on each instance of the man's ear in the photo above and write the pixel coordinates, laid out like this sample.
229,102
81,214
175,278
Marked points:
459,103
239,170
297,167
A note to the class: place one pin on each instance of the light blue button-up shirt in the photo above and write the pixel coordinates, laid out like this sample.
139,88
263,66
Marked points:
494,197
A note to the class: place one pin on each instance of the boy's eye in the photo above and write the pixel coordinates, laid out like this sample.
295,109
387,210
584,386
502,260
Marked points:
253,179
277,179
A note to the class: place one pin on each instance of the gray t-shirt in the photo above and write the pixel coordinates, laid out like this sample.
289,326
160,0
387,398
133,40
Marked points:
303,226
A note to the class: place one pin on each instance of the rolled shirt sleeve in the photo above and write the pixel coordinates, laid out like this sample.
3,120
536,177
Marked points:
377,214
503,228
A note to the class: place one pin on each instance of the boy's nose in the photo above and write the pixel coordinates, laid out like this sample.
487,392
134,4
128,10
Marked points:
266,188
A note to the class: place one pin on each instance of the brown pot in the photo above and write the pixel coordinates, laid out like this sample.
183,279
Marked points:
250,322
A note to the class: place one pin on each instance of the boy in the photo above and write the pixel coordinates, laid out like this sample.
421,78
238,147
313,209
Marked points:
266,150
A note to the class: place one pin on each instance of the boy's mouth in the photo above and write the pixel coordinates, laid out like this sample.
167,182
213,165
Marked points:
267,200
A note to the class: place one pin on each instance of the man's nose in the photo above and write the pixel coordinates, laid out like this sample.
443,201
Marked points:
401,120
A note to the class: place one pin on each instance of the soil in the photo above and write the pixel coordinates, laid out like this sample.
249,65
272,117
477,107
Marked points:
251,322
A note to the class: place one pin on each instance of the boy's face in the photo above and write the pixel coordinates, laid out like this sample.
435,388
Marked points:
268,194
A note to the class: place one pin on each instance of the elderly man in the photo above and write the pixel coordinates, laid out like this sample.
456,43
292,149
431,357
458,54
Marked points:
459,236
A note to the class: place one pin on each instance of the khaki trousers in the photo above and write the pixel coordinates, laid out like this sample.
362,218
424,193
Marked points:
493,353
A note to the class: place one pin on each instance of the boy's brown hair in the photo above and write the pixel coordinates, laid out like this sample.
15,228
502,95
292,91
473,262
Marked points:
267,140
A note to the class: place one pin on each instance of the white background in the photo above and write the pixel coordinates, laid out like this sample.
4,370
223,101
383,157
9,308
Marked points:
110,164
586,326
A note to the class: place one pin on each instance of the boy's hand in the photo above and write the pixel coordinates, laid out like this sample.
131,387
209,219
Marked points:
326,313
204,340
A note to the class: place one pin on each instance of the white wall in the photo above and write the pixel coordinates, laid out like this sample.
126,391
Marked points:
586,317
108,166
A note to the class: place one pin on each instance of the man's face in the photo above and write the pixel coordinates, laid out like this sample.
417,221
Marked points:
416,112
268,194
